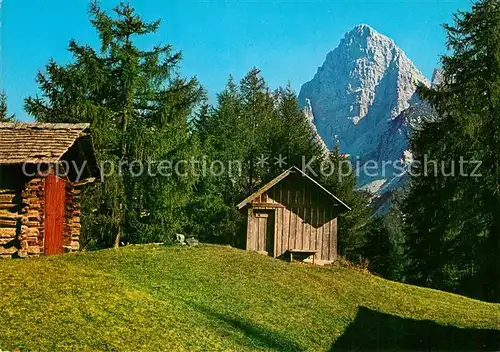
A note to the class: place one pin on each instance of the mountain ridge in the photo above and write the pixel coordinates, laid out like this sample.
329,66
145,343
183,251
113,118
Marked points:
363,97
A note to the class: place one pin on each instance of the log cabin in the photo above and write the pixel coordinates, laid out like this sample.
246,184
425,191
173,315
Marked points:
293,215
42,167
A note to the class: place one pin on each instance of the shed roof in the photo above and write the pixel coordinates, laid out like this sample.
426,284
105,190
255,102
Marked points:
282,176
35,143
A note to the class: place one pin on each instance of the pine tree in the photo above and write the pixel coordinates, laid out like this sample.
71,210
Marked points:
138,107
377,247
454,222
257,119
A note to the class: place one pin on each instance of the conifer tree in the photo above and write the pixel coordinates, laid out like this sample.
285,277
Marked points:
454,221
341,181
293,137
138,107
257,118
212,212
4,115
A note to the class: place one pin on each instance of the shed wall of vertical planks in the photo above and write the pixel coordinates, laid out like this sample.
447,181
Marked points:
303,218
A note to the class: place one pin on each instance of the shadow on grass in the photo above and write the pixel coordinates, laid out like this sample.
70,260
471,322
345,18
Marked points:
372,330
256,336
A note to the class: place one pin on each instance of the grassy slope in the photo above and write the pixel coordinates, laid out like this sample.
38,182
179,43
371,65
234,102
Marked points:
217,298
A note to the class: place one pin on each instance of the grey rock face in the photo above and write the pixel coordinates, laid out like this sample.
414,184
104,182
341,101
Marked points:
310,118
437,77
363,97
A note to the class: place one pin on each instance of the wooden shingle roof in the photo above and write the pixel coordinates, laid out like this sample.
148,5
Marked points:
37,142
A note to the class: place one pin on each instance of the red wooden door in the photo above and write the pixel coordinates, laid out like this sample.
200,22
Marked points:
55,196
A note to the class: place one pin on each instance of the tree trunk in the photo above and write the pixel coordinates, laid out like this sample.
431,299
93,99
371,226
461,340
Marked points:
117,236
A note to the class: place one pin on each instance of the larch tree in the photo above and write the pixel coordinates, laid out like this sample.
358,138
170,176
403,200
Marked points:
139,109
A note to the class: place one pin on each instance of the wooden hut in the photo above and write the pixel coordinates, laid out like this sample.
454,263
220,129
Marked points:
293,215
41,167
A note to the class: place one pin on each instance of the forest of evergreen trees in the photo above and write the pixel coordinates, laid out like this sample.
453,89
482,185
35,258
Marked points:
442,232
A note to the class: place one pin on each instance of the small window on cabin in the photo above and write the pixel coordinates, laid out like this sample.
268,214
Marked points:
263,198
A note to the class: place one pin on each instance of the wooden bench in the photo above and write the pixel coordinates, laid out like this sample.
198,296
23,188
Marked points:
302,251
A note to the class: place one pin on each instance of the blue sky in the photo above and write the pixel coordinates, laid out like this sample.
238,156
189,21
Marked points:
287,40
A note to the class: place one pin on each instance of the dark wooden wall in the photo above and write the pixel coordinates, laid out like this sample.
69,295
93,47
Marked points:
304,217
22,215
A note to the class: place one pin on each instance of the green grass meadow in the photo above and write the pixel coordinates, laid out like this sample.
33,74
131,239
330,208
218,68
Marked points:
215,298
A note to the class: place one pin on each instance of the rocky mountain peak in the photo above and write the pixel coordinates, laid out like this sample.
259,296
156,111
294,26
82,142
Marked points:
364,34
357,95
437,77
367,77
